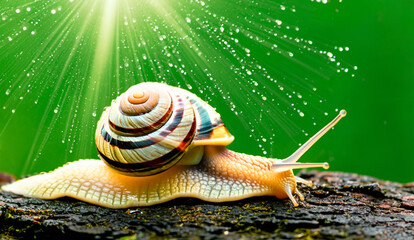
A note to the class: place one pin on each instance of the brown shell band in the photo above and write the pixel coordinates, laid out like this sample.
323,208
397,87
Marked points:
154,166
148,141
146,168
143,130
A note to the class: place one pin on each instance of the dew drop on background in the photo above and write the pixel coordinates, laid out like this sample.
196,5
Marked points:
63,61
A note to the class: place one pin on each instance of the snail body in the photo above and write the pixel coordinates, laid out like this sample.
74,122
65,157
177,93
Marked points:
157,143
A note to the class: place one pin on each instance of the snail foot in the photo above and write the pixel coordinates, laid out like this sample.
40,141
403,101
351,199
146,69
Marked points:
301,197
289,193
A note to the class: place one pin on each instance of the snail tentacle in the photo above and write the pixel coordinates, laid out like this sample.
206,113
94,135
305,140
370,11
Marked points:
304,181
300,195
291,161
288,191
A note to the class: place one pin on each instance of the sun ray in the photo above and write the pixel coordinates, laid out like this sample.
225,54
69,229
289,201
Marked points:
42,135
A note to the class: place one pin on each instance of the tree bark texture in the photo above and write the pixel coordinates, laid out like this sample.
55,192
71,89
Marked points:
340,205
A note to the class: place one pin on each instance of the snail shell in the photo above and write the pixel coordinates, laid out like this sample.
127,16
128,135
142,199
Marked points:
158,143
148,129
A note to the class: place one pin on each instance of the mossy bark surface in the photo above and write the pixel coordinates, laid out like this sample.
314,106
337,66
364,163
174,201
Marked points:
339,205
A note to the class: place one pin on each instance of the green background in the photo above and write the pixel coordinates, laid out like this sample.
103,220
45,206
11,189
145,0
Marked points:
269,67
378,135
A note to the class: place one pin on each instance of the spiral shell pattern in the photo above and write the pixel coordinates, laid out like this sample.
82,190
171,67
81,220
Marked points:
146,130
210,128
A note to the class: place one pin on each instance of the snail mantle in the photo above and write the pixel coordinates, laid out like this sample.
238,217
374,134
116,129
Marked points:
157,143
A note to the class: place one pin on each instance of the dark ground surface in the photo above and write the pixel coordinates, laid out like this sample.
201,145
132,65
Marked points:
338,206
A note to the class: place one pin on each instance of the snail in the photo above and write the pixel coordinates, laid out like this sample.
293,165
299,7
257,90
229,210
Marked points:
158,143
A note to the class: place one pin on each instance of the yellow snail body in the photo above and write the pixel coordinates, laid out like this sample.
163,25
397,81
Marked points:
158,143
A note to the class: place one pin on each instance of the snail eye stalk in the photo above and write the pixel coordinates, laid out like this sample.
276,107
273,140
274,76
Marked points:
291,161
